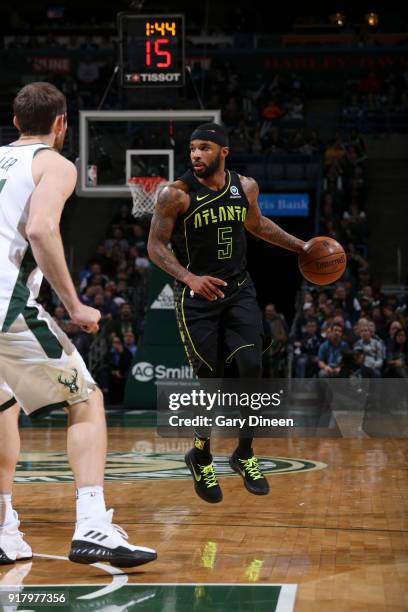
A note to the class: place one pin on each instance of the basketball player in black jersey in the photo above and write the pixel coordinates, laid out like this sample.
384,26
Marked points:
204,215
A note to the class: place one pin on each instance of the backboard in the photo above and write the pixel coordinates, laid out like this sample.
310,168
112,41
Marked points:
115,145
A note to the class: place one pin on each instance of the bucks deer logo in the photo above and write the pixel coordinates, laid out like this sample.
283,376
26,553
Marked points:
71,383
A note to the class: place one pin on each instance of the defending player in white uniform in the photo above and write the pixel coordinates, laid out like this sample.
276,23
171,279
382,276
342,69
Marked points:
38,361
40,369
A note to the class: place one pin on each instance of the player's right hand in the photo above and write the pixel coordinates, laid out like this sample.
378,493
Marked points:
207,286
86,318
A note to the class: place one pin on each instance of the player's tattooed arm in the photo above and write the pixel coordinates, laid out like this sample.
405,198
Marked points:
261,226
170,203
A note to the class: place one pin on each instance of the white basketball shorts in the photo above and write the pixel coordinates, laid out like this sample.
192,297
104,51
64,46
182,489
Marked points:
40,368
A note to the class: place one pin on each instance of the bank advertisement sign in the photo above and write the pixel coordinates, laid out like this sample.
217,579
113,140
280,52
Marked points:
284,204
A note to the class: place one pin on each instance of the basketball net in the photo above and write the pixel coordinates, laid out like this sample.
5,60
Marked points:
144,190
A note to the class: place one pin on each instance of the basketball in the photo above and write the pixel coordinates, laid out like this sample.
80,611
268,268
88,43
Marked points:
323,260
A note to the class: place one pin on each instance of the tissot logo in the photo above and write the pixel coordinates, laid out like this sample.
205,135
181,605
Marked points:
133,78
153,77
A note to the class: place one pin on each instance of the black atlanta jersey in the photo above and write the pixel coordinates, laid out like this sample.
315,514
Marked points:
209,238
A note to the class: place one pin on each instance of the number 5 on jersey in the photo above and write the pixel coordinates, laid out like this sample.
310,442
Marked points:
225,239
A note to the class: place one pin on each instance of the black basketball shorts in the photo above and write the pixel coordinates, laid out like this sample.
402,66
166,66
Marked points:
214,331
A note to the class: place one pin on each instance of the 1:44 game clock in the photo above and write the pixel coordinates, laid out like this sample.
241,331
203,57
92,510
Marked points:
151,50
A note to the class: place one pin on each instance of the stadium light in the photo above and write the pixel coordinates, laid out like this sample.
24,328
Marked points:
338,18
372,20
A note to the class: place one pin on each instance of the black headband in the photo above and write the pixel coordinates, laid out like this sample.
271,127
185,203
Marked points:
216,136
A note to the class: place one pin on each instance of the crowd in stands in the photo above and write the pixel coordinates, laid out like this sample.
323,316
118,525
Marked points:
341,335
265,116
371,103
350,327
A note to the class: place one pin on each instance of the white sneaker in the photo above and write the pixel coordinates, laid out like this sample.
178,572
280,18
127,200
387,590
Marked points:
98,539
12,545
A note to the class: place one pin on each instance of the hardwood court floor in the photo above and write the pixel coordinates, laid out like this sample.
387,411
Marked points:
339,532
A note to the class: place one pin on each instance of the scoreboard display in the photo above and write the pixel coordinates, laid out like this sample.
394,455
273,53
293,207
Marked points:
151,50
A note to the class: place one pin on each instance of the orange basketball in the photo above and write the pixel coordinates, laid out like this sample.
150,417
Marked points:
322,261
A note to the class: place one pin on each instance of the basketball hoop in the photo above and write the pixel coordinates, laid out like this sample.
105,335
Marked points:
144,190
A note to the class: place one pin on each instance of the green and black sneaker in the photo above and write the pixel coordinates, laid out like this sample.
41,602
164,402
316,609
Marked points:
251,474
205,481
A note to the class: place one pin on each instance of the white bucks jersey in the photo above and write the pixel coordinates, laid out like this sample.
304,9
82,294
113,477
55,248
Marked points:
20,278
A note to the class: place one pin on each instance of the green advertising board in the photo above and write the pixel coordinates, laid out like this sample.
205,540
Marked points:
160,355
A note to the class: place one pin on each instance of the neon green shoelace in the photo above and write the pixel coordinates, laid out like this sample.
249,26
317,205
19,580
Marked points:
209,476
252,467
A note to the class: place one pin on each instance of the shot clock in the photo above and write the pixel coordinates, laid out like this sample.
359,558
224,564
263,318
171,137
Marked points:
151,50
